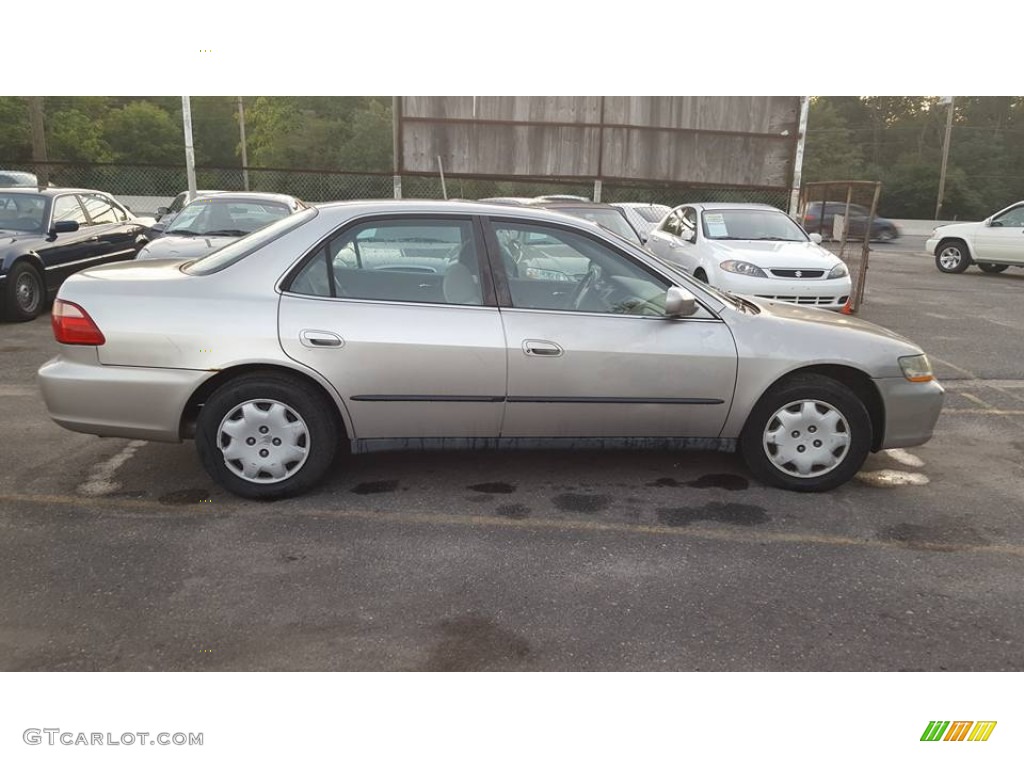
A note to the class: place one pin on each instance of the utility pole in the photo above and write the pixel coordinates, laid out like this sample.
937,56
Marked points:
945,154
798,159
245,155
35,117
190,153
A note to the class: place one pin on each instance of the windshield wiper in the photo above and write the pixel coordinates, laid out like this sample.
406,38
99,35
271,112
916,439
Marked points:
780,239
226,233
186,232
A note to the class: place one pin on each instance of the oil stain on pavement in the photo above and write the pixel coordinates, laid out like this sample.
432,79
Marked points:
493,488
726,482
583,503
476,643
733,514
375,486
941,538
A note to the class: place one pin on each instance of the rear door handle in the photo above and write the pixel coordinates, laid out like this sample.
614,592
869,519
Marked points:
93,239
540,348
320,339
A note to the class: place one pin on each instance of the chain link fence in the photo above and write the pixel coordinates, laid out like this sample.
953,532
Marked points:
145,187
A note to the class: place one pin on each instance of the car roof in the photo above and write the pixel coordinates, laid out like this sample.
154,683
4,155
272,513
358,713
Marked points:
456,207
731,206
249,197
641,205
554,204
53,191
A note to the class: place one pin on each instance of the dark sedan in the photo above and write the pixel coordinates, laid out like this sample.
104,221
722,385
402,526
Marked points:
46,235
822,223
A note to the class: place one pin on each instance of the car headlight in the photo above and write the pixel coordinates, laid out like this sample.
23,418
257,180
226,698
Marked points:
916,368
742,268
839,270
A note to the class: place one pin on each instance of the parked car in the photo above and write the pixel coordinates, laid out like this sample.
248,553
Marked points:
277,348
165,214
208,223
46,235
994,244
18,179
823,223
752,249
608,216
643,216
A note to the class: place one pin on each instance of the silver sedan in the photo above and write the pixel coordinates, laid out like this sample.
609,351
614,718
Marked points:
390,325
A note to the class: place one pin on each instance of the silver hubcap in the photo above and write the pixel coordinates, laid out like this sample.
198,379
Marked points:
950,258
807,438
27,292
263,441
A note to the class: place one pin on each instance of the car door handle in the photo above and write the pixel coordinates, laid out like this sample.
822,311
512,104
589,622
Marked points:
539,348
320,339
93,239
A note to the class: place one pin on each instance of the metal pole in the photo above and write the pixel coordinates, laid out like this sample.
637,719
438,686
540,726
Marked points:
597,190
396,145
798,160
440,167
945,158
245,154
190,153
35,116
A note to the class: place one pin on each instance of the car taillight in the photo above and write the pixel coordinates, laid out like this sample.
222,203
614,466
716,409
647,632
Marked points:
72,325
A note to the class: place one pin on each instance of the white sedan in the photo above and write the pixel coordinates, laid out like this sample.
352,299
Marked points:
752,249
993,244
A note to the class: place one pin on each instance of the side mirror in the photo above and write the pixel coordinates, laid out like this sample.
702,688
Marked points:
679,302
815,238
60,227
161,211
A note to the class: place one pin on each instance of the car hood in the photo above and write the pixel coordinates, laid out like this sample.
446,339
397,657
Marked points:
23,240
962,228
172,247
823,318
770,254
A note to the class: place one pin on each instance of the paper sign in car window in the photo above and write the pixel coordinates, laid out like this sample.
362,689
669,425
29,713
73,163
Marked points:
716,225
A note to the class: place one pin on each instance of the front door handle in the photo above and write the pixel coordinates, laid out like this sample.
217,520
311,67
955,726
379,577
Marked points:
320,339
540,348
93,239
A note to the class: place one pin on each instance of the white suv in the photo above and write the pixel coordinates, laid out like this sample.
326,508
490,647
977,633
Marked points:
993,244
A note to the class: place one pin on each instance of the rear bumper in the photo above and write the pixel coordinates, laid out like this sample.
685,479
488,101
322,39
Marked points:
116,401
911,410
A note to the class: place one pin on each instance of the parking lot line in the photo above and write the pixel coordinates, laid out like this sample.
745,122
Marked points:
537,524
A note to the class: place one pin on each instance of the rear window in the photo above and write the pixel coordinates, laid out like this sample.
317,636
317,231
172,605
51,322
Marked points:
234,252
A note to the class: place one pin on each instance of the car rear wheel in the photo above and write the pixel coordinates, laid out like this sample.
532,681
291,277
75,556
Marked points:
886,235
993,268
810,433
25,293
952,257
267,436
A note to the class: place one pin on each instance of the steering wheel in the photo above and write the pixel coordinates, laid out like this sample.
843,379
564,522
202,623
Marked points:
586,283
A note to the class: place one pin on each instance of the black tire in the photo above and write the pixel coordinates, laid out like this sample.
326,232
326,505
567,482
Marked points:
826,393
993,269
701,275
952,257
887,234
25,293
316,417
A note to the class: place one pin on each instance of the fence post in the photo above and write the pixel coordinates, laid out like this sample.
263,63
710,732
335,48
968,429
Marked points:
597,190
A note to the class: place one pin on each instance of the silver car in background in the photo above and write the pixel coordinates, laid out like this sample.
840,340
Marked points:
426,324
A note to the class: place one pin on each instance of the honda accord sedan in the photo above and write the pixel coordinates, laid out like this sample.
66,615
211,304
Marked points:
388,325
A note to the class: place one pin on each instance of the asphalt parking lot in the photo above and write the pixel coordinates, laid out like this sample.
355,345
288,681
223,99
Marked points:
122,555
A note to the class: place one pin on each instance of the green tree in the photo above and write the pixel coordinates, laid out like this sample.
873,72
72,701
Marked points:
75,137
15,136
141,132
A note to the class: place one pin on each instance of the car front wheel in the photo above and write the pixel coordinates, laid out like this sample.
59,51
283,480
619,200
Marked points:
810,433
267,436
952,257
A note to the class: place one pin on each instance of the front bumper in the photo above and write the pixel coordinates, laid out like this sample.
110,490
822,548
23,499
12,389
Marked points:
816,292
911,410
116,401
931,244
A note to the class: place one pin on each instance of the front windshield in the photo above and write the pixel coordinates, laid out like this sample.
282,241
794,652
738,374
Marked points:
214,217
608,218
751,224
22,212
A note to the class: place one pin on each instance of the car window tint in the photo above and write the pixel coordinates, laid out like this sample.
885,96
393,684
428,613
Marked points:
562,270
67,208
22,213
314,279
100,209
431,261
